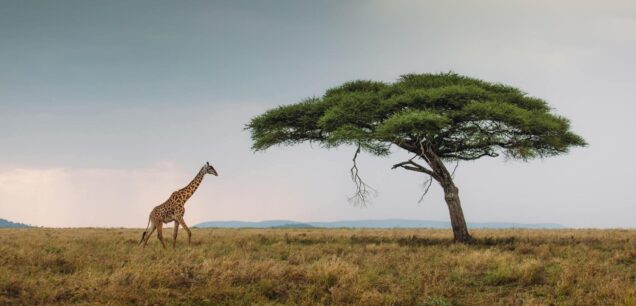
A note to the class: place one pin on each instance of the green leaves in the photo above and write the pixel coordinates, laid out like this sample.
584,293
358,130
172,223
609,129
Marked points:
496,111
287,125
356,108
416,123
458,116
349,134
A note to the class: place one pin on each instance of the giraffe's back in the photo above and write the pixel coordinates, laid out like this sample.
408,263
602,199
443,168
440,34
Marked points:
167,212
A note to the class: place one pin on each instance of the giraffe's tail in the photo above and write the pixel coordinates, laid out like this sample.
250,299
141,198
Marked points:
145,231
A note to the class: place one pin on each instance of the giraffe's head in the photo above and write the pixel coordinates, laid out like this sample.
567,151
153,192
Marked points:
209,169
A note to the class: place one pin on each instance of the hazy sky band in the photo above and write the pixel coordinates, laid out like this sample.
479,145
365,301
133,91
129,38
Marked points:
99,97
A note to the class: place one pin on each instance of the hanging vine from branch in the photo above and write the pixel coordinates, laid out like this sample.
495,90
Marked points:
427,183
364,192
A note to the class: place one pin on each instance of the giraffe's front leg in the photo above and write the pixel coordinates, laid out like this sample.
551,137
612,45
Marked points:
160,234
182,222
174,236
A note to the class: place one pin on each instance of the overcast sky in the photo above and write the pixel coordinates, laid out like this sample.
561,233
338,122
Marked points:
107,107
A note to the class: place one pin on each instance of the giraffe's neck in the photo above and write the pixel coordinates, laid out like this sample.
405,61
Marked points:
192,187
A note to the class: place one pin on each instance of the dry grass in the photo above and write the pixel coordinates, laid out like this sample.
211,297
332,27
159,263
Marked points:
319,266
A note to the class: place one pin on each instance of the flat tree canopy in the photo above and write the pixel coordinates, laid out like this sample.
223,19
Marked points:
437,117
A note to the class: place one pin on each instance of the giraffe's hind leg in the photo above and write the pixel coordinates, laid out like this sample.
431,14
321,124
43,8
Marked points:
174,236
160,234
152,230
185,227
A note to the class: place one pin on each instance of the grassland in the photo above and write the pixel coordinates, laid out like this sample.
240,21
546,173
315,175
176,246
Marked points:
319,266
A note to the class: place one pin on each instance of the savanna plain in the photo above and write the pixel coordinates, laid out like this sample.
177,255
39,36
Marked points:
318,267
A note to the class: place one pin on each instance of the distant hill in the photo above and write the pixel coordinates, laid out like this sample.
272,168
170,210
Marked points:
294,225
7,223
246,224
385,223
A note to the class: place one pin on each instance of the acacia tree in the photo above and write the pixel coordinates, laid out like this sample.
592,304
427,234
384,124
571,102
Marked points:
437,117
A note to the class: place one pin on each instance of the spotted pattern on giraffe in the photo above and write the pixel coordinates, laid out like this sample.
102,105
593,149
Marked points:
173,209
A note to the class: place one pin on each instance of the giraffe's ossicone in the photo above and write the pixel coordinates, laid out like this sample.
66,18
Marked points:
173,209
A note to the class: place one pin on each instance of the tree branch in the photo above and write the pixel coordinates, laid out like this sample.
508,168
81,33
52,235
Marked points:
422,152
471,157
413,166
453,173
363,191
428,183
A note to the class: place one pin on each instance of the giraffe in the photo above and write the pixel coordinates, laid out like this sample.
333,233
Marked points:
173,209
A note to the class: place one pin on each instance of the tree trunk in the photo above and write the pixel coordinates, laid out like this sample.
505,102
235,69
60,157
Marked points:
460,230
451,194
